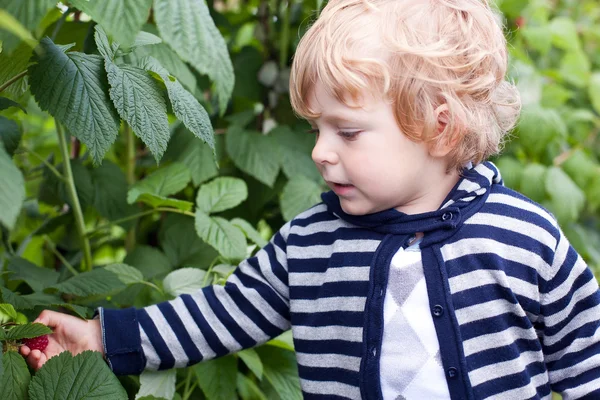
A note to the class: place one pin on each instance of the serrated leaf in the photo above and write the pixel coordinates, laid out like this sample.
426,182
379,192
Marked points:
281,371
533,182
195,154
122,20
126,273
298,195
228,240
186,25
567,200
180,241
164,181
18,18
158,384
10,135
38,278
84,376
105,47
217,378
28,331
250,232
252,361
96,281
10,66
160,201
221,194
145,39
32,300
7,103
149,260
7,312
581,168
184,281
184,104
15,378
73,88
575,68
594,91
12,194
140,102
248,149
538,127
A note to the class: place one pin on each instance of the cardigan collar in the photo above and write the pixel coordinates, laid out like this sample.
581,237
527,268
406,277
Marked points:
463,200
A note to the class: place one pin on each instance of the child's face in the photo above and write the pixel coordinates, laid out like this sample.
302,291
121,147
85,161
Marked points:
370,164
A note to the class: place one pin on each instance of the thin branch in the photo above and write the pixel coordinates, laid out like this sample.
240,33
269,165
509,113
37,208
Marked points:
13,80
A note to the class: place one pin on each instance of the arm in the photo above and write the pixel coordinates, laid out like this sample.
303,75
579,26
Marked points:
250,309
570,306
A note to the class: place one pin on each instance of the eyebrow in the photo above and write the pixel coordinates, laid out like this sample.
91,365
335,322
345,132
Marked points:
337,118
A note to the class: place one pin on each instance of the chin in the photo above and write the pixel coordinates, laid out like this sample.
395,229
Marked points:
354,209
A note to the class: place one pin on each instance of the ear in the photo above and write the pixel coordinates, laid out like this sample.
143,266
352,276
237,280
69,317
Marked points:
447,133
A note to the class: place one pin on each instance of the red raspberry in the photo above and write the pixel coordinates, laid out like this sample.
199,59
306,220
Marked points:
38,343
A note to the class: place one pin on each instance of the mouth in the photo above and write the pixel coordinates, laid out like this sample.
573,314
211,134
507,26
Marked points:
341,188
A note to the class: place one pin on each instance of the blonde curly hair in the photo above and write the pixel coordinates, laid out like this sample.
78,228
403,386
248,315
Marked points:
428,58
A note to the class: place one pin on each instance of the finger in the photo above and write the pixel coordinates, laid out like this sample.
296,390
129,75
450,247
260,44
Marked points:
24,350
49,318
34,358
42,360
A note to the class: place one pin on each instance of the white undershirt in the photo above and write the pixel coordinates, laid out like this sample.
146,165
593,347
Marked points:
410,363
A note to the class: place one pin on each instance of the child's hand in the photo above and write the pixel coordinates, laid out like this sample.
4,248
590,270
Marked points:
70,333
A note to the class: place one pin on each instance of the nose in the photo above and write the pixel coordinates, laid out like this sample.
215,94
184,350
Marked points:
324,151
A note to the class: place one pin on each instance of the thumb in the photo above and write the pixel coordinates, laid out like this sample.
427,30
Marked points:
50,318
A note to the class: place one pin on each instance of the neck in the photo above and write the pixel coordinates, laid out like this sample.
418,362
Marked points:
434,191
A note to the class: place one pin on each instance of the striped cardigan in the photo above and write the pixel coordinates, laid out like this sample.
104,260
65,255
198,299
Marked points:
515,308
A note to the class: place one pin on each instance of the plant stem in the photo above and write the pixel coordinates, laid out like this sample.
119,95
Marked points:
52,247
130,141
78,214
13,80
46,163
139,215
285,36
60,23
187,392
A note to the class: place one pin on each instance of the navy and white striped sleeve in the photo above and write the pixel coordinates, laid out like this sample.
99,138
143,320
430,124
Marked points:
570,306
251,308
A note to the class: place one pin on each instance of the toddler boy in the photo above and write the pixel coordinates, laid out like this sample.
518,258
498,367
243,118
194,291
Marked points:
419,276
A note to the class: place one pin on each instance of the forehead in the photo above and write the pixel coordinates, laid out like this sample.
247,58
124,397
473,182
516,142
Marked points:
327,104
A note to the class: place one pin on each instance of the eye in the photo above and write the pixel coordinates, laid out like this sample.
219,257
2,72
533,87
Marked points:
349,134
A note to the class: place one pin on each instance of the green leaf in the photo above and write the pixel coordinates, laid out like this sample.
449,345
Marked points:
140,102
7,313
538,37
96,281
162,182
7,103
283,341
10,66
511,170
145,39
38,278
217,378
538,127
594,91
72,87
575,67
298,195
581,168
126,273
221,194
171,61
253,153
15,379
184,281
149,260
533,182
295,149
186,25
105,47
29,301
12,194
10,135
249,231
122,20
155,201
110,192
180,241
18,18
281,371
158,384
28,331
85,376
567,200
228,240
252,361
195,154
248,389
184,104
564,33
